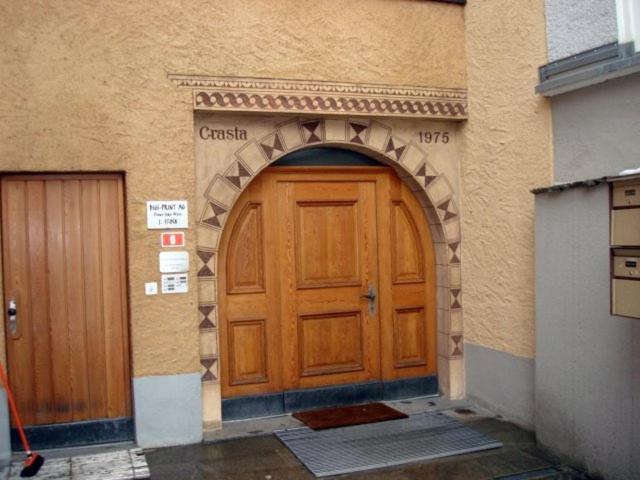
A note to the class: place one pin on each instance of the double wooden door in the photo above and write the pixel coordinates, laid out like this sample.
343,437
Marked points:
327,277
63,255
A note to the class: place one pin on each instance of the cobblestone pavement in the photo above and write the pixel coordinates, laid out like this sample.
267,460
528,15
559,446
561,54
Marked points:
128,464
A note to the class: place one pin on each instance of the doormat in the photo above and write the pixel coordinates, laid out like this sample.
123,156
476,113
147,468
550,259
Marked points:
113,465
425,436
346,416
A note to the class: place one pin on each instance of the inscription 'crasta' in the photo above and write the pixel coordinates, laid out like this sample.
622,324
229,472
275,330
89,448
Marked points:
234,133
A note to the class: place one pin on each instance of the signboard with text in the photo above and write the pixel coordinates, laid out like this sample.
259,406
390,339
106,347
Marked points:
165,214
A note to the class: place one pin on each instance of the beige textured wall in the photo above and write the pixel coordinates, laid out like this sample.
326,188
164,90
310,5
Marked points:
507,151
84,87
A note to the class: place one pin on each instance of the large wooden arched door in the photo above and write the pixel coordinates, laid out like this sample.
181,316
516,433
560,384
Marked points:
304,252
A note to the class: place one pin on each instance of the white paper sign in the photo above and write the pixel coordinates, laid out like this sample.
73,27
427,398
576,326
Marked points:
167,214
175,283
173,262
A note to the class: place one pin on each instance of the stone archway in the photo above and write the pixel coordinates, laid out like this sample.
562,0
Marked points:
377,140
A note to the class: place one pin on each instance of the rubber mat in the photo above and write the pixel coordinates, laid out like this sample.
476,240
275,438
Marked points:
424,436
345,416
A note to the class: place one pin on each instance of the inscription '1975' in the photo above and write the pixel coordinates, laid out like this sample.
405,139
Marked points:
234,133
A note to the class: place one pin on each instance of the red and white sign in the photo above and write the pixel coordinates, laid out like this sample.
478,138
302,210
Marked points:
172,239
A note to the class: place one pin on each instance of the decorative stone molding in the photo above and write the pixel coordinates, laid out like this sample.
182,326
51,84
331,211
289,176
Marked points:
258,95
375,138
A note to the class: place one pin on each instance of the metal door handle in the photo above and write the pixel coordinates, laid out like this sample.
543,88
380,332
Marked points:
12,314
371,296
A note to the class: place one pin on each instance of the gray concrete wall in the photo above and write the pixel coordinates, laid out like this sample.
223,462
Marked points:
587,393
596,131
574,26
5,439
168,410
501,382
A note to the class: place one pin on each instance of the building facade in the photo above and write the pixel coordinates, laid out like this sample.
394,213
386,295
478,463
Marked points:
587,384
107,108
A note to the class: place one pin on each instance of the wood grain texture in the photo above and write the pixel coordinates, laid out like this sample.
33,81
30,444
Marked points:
249,303
328,235
245,259
408,296
64,263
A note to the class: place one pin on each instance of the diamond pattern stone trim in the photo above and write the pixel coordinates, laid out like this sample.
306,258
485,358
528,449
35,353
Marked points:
395,149
205,310
457,345
213,215
455,252
251,157
357,132
424,177
238,175
456,300
209,365
447,210
206,255
272,146
312,131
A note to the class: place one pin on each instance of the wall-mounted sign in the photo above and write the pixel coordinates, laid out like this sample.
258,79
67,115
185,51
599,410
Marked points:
167,214
172,239
173,262
175,283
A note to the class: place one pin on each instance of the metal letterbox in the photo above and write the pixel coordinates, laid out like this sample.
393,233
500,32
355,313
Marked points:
625,287
625,214
626,195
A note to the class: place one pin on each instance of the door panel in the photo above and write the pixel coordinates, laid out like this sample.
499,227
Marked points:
245,260
248,351
407,258
330,343
409,337
64,264
408,287
302,247
249,298
327,246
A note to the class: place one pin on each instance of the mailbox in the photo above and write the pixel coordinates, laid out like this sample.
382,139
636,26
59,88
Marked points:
625,294
625,245
625,214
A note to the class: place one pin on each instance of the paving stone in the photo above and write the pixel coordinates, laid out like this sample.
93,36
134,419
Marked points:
263,457
113,465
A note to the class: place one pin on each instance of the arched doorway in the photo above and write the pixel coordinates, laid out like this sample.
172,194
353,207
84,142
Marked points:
327,280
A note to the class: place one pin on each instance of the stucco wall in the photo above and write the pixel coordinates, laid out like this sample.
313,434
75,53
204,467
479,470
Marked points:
506,152
588,362
85,88
574,26
596,130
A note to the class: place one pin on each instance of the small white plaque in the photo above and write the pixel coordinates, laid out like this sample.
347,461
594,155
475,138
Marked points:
167,214
151,288
175,283
173,262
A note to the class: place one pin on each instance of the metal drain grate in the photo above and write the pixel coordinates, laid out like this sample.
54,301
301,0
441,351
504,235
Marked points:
352,449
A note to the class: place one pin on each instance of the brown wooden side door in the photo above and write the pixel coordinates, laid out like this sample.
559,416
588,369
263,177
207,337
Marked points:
63,253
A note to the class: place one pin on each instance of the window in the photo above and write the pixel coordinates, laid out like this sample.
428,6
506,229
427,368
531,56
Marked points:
628,13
